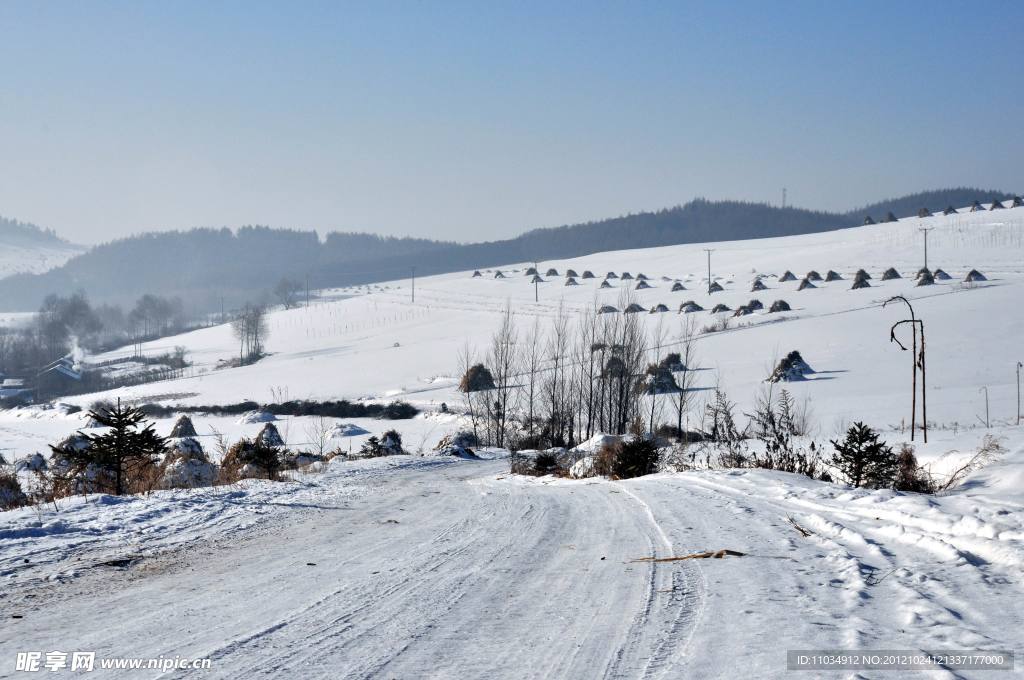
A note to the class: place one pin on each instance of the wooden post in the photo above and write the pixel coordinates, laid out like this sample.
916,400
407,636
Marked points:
924,384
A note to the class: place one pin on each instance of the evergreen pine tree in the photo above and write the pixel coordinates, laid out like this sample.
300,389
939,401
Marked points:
371,448
863,459
124,451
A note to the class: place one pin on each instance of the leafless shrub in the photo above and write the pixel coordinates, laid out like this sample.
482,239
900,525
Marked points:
990,449
909,475
11,495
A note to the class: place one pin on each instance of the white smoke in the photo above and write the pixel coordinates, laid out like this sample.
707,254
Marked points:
77,354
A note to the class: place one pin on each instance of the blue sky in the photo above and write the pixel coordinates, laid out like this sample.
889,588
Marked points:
472,121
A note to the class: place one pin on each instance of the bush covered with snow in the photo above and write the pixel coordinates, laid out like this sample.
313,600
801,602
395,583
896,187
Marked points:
256,417
627,459
270,436
791,368
186,466
250,459
583,468
459,444
11,495
33,463
345,430
183,427
476,379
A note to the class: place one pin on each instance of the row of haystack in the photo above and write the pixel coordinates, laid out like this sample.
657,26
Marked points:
691,306
924,277
924,212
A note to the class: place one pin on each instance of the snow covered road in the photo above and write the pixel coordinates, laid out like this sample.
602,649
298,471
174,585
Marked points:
453,569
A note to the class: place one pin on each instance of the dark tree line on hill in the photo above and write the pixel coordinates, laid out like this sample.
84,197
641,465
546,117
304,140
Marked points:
214,268
15,233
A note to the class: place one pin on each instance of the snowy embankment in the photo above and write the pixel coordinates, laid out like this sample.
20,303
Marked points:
414,567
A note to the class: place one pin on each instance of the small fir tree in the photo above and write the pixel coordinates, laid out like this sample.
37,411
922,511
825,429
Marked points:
864,459
128,450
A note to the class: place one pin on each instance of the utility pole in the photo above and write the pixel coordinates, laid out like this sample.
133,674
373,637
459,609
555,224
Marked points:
925,231
709,251
985,390
536,293
307,291
414,284
1019,366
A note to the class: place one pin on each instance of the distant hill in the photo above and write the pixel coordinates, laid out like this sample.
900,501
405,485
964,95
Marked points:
206,266
27,248
15,233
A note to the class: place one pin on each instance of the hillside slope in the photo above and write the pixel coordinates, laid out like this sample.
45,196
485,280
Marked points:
28,249
209,266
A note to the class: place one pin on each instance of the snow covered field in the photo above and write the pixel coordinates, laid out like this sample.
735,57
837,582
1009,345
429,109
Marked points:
434,567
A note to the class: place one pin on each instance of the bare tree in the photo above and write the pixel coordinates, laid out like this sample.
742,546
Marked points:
469,395
687,359
503,361
251,330
287,291
531,384
553,390
657,340
318,432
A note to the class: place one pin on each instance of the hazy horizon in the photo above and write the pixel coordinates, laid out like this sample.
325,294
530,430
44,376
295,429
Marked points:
471,123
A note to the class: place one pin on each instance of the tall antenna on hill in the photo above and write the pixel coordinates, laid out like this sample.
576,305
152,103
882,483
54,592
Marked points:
783,197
